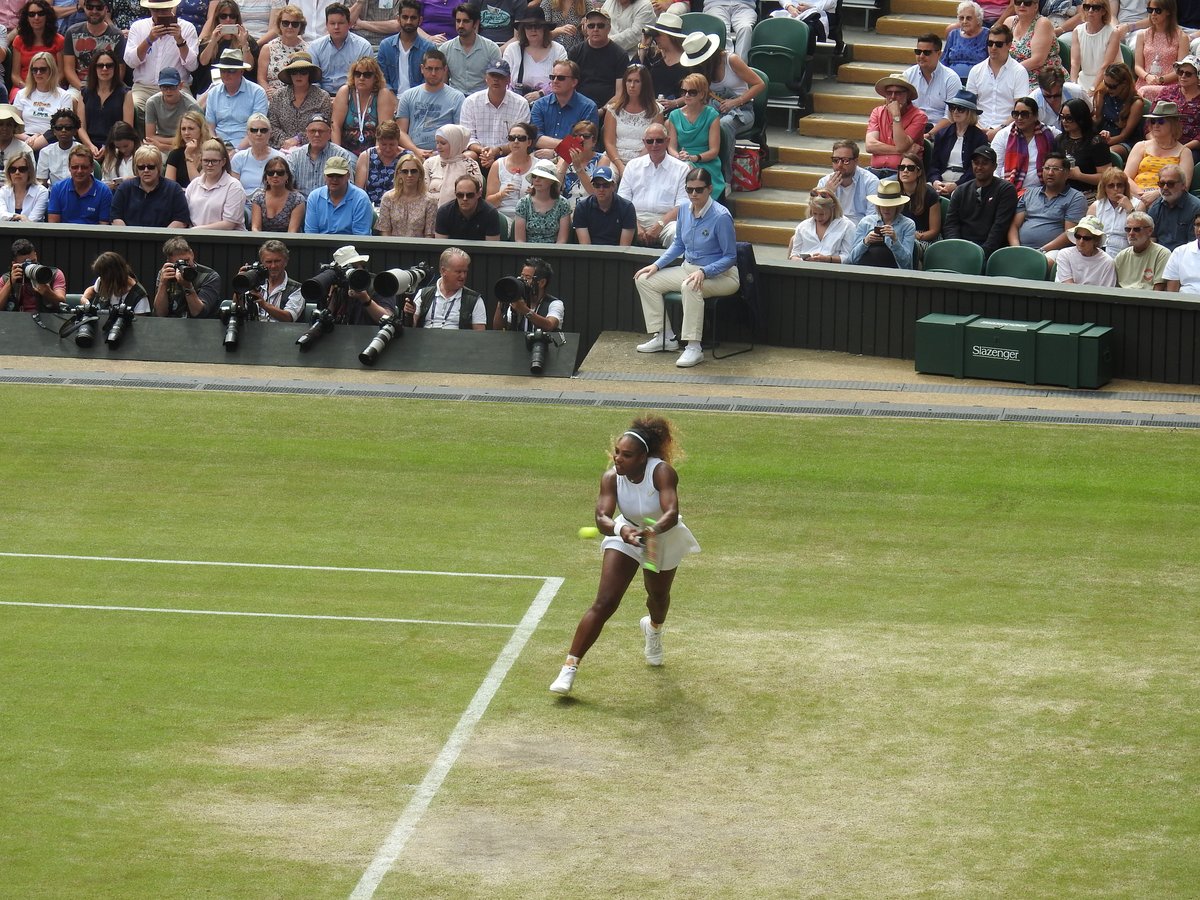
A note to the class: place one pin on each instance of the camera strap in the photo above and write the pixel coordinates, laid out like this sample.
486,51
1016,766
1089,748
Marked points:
72,325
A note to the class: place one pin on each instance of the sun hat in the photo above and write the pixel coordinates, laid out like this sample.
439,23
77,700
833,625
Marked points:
668,23
533,15
1163,109
231,58
335,165
697,47
160,4
965,99
896,80
300,61
348,256
8,111
543,168
1189,60
1093,226
888,194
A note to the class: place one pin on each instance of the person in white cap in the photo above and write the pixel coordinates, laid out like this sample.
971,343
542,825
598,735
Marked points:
231,104
349,306
1086,262
895,127
158,42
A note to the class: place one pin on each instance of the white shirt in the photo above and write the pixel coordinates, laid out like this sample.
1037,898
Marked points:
997,93
443,313
653,190
162,53
838,240
33,208
1096,269
274,295
1000,144
1184,267
933,94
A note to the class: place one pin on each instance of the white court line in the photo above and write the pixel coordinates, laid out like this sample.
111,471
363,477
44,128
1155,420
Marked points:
260,615
248,565
393,845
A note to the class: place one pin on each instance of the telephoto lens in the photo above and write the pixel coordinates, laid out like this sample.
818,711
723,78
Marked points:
232,317
251,275
120,318
388,328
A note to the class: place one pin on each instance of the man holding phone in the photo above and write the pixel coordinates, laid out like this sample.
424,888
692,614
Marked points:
158,42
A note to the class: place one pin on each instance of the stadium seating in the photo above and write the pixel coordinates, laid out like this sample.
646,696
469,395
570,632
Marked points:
1018,262
709,24
779,48
954,255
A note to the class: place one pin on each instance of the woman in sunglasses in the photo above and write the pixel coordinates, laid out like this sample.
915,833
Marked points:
924,206
1080,143
407,210
22,199
629,112
506,179
41,98
694,131
1117,109
274,54
1114,202
37,32
216,38
360,105
1022,146
575,173
1034,44
1185,94
248,164
1096,45
277,205
106,101
1158,48
1161,148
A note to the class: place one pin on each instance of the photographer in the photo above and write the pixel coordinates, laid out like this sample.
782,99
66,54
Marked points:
448,303
349,306
183,288
279,299
537,309
29,297
116,285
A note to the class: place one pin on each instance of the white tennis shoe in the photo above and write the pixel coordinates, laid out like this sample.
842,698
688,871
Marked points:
566,678
655,345
692,355
654,647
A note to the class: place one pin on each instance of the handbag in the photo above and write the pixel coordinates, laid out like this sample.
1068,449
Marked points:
747,168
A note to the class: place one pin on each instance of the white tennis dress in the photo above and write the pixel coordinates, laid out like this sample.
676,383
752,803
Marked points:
639,501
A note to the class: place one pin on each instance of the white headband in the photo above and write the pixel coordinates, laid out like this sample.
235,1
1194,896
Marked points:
639,437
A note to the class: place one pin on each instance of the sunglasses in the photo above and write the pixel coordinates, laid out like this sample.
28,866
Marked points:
36,14
1021,114
280,172
1165,183
695,189
1134,229
463,195
997,43
364,74
1093,7
909,168
593,26
1151,10
104,65
15,169
1065,119
518,138
690,92
147,167
94,8
289,23
919,52
1085,237
584,134
40,70
259,130
227,17
654,140
410,171
561,77
1024,2
67,127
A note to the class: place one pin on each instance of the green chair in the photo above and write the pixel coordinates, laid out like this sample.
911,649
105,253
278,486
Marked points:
756,131
779,49
748,272
709,24
1064,52
1127,55
1018,262
954,255
944,203
1115,158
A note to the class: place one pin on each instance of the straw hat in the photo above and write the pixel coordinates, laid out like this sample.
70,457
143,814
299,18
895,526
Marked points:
895,81
697,47
888,194
231,58
160,4
668,23
300,61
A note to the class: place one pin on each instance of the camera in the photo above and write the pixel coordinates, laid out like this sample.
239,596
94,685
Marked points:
536,342
36,273
331,275
81,322
120,319
187,271
389,327
233,314
322,323
251,276
400,282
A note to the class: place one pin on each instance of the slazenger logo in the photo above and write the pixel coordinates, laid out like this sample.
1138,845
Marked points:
996,353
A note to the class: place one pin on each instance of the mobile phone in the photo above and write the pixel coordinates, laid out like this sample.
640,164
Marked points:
167,20
878,229
229,29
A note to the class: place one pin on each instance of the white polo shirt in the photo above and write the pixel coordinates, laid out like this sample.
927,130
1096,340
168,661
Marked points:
1184,267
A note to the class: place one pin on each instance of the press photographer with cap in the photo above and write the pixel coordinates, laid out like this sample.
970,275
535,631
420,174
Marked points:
448,302
339,207
538,308
349,306
160,41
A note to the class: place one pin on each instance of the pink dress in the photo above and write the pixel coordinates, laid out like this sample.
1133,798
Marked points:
1160,53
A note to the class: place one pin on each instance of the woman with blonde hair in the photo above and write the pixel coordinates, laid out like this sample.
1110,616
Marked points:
1096,45
248,164
183,162
115,284
274,54
40,98
694,131
36,32
1158,48
630,112
448,164
360,105
826,236
216,199
22,199
407,210
1112,206
1161,148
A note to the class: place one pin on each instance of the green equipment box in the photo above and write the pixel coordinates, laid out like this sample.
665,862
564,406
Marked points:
1002,350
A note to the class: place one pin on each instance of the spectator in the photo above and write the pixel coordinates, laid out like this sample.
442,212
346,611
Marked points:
446,166
1086,150
87,38
407,210
1034,45
935,83
705,239
183,287
258,18
1162,148
602,63
950,164
231,104
732,85
1117,109
1112,207
543,215
279,299
339,207
627,116
1174,209
183,162
661,51
105,101
277,206
966,45
603,217
37,32
815,15
40,97
557,113
499,19
1141,265
1023,146
80,199
849,183
307,161
654,184
338,49
1182,272
565,18
982,209
1051,96
215,43
116,164
361,105
216,199
149,200
1094,46
21,198
884,238
30,297
532,56
116,284
375,171
469,217
1048,213
1086,262
10,144
489,115
997,82
402,54
506,179
52,161
575,172
894,127
165,109
826,235
376,21
247,165
298,99
437,20
160,42
1185,94
1157,48
630,19
924,206
277,52
538,309
694,131
740,17
426,108
448,302
468,55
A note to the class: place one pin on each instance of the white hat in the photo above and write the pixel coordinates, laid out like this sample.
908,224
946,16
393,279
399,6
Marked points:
160,4
1093,226
697,47
231,58
348,256
543,168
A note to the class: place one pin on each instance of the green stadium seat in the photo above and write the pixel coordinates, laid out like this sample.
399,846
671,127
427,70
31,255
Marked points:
779,49
706,22
1018,262
1064,53
954,255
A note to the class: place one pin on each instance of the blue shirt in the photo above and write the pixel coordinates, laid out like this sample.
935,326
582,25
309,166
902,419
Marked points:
92,208
228,114
160,207
352,216
707,241
249,171
335,62
605,227
1172,224
427,111
389,61
901,246
555,120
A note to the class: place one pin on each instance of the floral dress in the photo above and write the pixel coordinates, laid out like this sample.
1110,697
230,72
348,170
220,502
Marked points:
564,17
278,55
571,185
1189,111
280,222
542,228
1021,51
126,12
1160,52
380,176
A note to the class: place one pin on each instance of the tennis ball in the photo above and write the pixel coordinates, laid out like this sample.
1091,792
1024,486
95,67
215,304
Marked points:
589,531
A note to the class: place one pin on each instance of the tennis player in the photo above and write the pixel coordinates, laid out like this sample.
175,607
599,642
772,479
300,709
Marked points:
642,483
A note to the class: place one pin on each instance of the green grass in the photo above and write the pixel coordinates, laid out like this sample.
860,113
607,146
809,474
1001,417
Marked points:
914,658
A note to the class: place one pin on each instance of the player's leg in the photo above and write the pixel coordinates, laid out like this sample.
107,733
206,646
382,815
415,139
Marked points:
616,572
658,601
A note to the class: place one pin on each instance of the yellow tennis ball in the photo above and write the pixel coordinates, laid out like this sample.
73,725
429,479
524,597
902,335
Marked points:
589,531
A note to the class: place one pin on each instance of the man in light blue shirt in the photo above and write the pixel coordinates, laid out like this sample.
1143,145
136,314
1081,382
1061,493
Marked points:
935,83
423,110
339,49
307,161
849,182
557,114
234,101
469,54
339,207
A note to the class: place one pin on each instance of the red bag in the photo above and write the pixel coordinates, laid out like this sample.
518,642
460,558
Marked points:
747,169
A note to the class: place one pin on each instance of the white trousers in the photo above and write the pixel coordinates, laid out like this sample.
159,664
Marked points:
652,288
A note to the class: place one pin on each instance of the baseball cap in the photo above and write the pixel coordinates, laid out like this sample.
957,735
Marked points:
597,12
335,165
499,67
603,173
169,76
319,117
986,152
